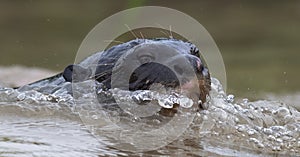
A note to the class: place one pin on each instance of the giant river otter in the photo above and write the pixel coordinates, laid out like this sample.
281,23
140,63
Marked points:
139,64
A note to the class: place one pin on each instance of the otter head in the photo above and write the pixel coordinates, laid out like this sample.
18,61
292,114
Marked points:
140,64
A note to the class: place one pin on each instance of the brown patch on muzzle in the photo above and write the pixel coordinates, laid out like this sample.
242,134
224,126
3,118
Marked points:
198,94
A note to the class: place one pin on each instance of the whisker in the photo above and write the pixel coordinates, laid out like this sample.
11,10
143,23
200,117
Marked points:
171,32
165,33
99,75
101,64
160,26
142,35
115,41
110,58
131,31
190,40
169,36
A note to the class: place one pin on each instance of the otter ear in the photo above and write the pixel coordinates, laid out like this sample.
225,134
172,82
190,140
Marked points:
67,74
76,73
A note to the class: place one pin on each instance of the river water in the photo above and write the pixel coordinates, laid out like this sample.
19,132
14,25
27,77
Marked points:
33,123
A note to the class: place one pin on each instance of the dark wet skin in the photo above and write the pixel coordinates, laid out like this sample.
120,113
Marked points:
148,72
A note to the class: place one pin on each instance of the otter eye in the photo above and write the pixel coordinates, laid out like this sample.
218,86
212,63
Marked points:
145,59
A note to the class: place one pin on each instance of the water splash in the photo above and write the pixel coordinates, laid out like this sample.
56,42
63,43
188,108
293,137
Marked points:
264,126
228,127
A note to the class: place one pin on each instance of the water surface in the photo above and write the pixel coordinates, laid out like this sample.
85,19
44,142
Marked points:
37,124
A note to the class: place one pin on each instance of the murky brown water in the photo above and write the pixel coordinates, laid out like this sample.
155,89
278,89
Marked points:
32,124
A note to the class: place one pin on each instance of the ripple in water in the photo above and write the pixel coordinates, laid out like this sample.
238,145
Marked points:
44,121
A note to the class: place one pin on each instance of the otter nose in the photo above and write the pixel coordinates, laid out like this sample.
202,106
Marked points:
192,76
183,66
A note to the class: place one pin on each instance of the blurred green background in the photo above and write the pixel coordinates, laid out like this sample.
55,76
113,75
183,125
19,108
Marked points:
259,40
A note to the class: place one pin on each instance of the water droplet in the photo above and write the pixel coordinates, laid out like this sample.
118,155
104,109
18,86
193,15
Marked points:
288,118
245,100
230,98
165,103
286,138
94,116
185,102
258,143
156,121
251,132
281,112
278,128
267,131
21,96
276,148
271,138
279,140
241,128
254,140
